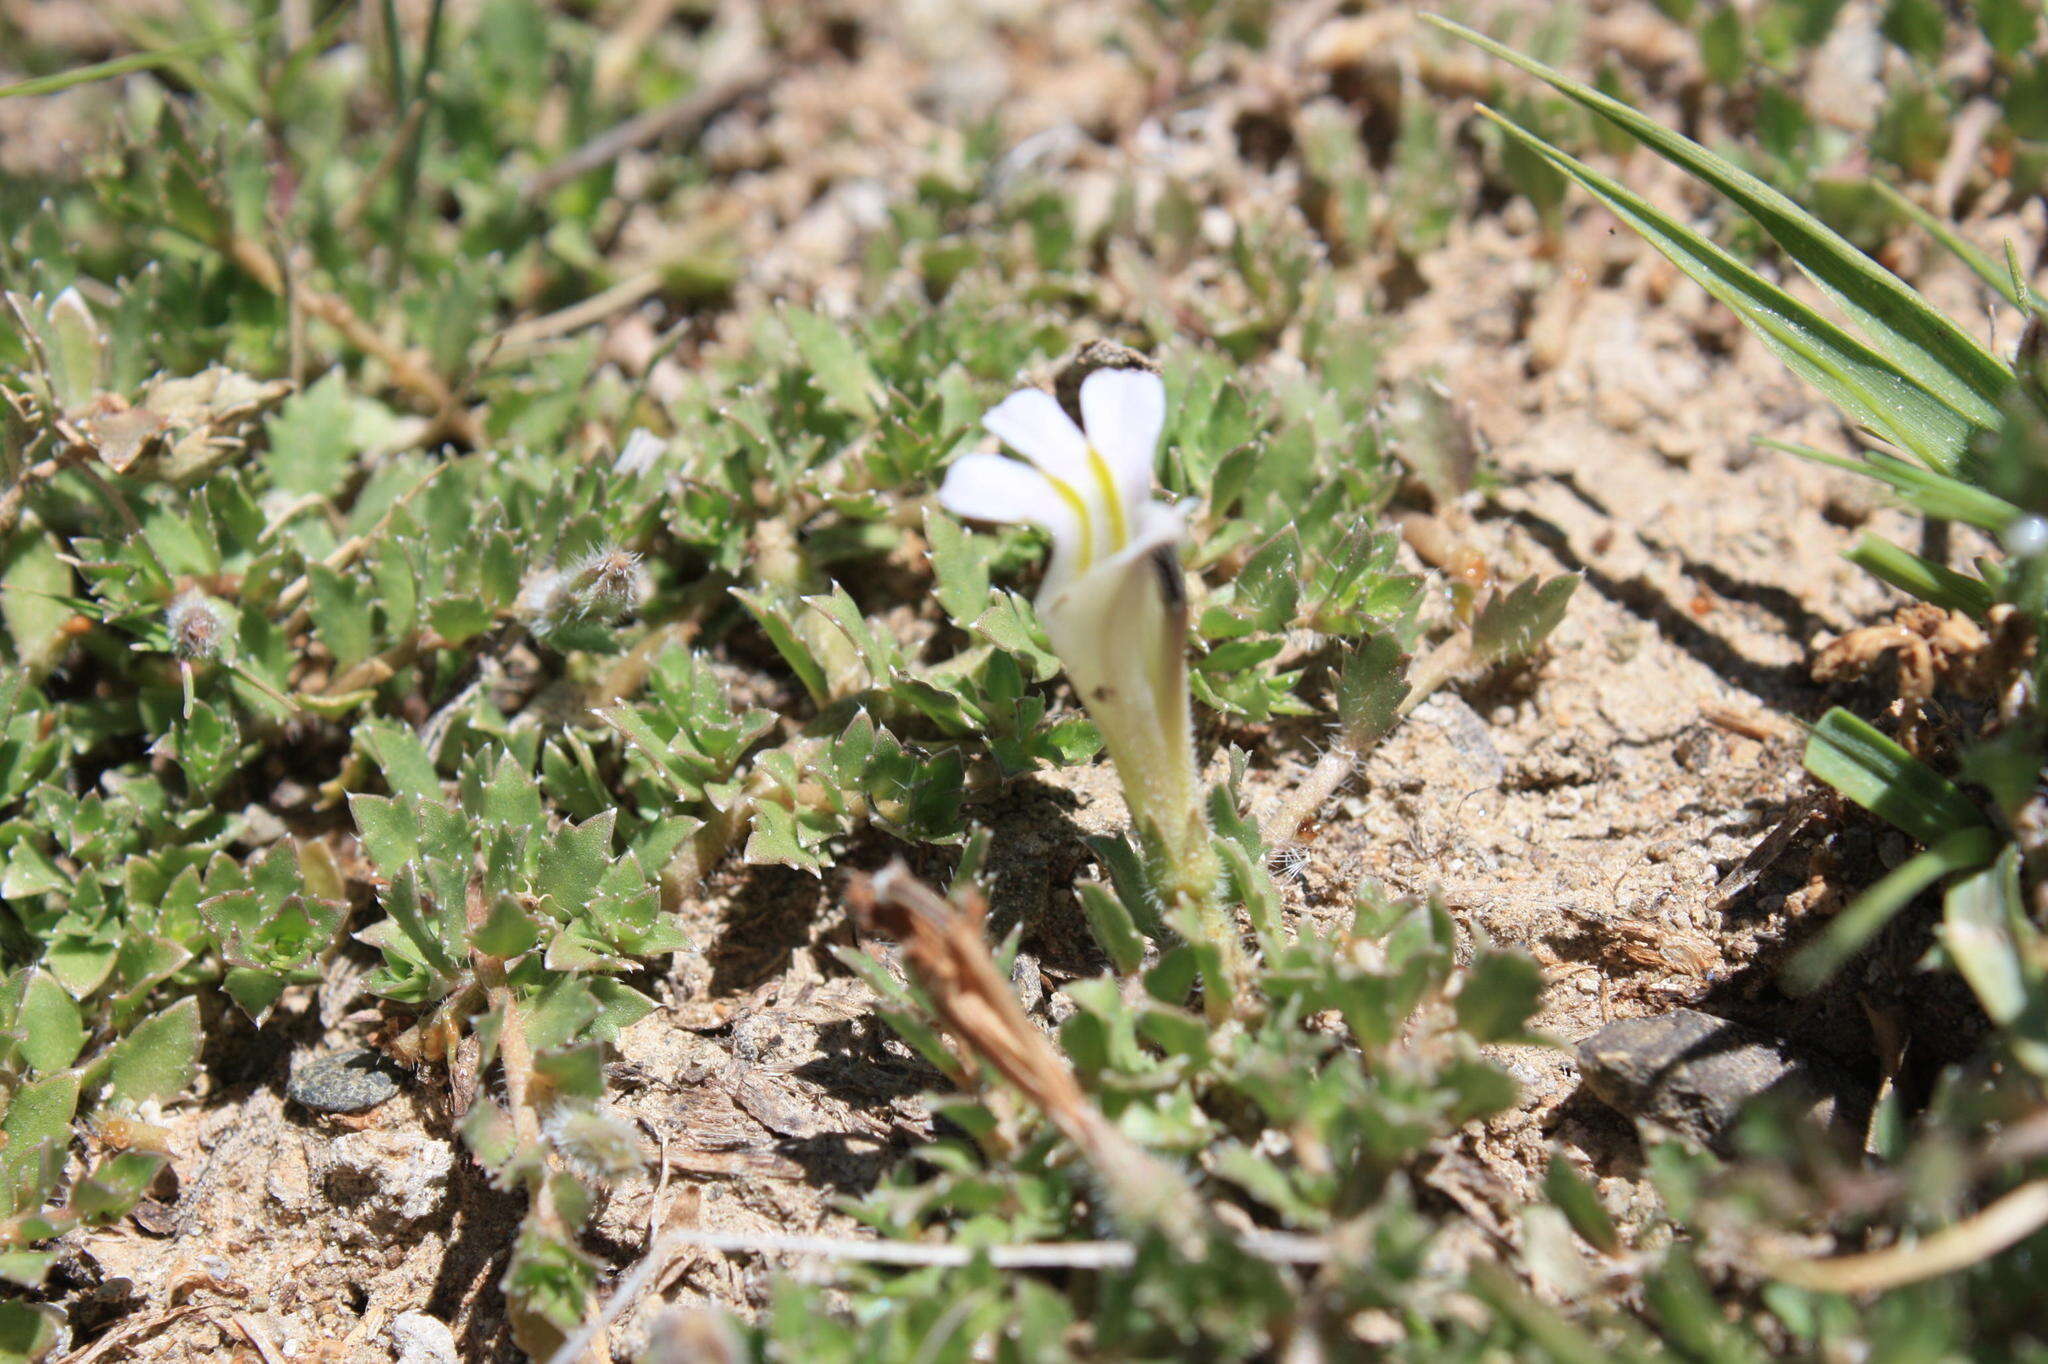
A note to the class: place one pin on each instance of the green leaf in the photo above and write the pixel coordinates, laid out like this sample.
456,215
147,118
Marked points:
1848,931
1370,689
77,347
1902,325
511,797
157,1057
1998,950
341,614
51,1030
1721,46
2008,25
1114,928
1850,755
1576,1199
456,619
122,66
208,747
33,587
390,831
1497,996
25,1269
113,1190
315,435
1511,624
959,567
1980,264
1922,578
507,930
838,369
573,862
407,766
1931,493
38,1127
28,1330
775,839
774,612
1918,26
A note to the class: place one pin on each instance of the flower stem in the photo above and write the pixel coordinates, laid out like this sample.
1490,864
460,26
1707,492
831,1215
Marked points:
1190,879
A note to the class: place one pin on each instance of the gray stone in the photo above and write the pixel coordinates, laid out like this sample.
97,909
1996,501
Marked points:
345,1082
1692,1074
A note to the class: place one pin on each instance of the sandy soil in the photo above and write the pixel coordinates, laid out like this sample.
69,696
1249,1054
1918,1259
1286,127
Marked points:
1585,810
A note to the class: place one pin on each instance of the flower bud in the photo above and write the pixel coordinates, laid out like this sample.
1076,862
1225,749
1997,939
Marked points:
196,625
607,583
597,1146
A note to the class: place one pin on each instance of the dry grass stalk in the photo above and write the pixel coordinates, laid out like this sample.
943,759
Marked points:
948,955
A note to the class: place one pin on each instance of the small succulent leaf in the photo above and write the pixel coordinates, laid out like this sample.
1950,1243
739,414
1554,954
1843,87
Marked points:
37,1124
158,1057
49,1027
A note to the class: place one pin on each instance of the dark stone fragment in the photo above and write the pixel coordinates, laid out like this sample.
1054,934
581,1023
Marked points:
1066,386
344,1082
158,1219
1693,1073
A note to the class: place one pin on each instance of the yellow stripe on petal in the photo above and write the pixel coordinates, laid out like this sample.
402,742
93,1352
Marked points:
1079,506
1112,498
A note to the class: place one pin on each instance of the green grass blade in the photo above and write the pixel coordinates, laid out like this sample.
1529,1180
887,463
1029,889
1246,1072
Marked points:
1848,931
1897,320
1850,755
1921,578
119,66
1929,492
1993,273
1867,385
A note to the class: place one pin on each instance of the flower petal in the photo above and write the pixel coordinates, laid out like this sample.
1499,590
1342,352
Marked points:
987,487
1160,523
1030,422
1124,410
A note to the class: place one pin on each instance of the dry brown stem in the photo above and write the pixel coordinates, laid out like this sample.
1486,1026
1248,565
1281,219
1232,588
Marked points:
948,954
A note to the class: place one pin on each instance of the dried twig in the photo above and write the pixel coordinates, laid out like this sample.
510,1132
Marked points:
132,1331
677,116
409,371
1765,854
946,950
521,337
2004,1224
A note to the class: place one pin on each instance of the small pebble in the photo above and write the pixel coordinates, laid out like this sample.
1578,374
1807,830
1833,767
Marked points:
344,1082
1692,1073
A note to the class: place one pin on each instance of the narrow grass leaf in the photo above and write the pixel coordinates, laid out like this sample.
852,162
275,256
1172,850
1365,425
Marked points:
58,81
1850,755
1922,578
1866,384
1979,915
1981,265
1930,492
1897,320
1855,926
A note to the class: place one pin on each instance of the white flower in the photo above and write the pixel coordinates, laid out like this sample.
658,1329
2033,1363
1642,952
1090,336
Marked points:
1113,602
1089,489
